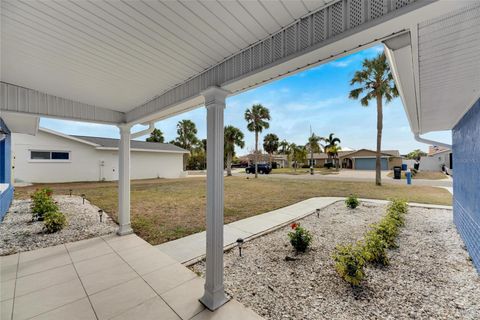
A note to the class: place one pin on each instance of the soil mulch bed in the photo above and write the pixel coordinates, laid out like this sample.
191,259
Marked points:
430,275
19,233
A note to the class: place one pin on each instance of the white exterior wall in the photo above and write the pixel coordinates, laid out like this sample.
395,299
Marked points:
435,162
85,161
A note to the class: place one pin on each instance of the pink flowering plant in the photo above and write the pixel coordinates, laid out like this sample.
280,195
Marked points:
300,238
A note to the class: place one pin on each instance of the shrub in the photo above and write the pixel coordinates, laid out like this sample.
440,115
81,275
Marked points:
375,248
54,221
42,203
352,201
349,263
387,230
328,165
300,238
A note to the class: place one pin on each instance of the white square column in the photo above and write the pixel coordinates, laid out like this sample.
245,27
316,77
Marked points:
124,181
214,295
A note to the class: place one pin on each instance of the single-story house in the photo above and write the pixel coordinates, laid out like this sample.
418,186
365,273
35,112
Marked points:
51,156
363,159
437,161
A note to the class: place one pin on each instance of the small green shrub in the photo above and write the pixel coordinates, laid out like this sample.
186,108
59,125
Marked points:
349,263
388,230
54,221
42,203
352,202
398,205
300,238
375,248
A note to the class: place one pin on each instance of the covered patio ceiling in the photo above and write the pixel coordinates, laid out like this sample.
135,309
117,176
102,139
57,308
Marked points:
137,61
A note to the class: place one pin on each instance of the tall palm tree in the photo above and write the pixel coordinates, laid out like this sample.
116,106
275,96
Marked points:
187,135
330,142
270,145
156,136
233,137
290,152
333,152
299,155
257,119
313,146
376,83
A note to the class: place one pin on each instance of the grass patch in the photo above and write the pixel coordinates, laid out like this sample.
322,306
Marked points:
167,209
427,175
303,171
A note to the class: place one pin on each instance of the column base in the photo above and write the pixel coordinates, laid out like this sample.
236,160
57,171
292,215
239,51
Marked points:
213,301
124,230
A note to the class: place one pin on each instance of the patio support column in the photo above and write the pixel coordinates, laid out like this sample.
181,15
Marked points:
214,295
124,181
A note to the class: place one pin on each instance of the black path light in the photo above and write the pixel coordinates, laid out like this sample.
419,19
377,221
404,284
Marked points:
318,213
71,192
100,214
83,198
240,244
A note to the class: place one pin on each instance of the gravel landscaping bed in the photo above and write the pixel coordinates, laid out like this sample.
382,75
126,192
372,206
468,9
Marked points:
19,233
430,275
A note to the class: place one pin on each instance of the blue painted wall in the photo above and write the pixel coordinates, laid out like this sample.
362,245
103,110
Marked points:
6,197
466,180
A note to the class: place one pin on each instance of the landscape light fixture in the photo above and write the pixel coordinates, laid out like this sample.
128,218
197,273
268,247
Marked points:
83,198
318,212
240,244
100,214
71,192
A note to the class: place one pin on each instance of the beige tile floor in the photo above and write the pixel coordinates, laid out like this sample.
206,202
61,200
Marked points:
104,278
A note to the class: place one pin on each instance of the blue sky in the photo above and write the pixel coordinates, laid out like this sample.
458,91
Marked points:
317,97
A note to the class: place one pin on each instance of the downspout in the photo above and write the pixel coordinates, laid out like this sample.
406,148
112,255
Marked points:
151,127
431,142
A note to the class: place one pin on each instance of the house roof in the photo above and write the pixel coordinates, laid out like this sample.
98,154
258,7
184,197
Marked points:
112,144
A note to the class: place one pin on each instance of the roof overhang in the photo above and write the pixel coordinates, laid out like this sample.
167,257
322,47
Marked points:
21,123
436,67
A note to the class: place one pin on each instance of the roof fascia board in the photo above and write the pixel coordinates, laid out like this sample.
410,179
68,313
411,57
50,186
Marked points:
22,100
141,150
65,136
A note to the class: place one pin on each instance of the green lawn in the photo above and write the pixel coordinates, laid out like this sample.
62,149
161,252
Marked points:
303,171
167,209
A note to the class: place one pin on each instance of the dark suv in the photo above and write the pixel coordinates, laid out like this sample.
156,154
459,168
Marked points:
262,168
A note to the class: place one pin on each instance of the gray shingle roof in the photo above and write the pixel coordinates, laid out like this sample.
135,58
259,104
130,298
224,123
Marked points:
134,144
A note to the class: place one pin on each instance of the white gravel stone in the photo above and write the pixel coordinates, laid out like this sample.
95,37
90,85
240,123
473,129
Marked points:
430,274
19,233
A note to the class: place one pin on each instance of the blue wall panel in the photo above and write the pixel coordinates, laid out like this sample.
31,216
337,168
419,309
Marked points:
466,181
6,197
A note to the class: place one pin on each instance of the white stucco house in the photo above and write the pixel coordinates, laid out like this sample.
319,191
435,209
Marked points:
436,161
51,156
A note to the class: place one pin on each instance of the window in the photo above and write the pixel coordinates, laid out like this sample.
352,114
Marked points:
50,155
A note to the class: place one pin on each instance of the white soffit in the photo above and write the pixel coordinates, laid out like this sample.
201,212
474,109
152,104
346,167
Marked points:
449,67
119,54
20,123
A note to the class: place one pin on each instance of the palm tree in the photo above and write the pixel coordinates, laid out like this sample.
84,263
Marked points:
187,135
233,137
257,119
330,142
270,144
333,152
290,151
376,82
283,146
156,136
314,145
299,155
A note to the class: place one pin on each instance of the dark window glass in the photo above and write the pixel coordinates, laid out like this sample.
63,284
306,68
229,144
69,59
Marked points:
60,156
40,155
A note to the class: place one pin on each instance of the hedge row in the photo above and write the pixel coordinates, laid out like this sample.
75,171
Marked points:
351,259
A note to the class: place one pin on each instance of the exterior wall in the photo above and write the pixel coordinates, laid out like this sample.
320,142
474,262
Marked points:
435,162
6,187
86,163
395,162
466,185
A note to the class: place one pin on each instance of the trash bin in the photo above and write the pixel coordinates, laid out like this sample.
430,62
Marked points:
397,173
404,167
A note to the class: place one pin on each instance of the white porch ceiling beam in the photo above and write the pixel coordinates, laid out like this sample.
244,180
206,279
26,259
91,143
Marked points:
16,99
337,20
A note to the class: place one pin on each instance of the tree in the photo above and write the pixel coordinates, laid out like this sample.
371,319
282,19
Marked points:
416,154
283,146
257,119
376,83
299,155
313,146
330,144
187,135
333,152
233,137
156,136
270,144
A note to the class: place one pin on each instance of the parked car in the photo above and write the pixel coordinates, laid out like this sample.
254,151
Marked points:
262,168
